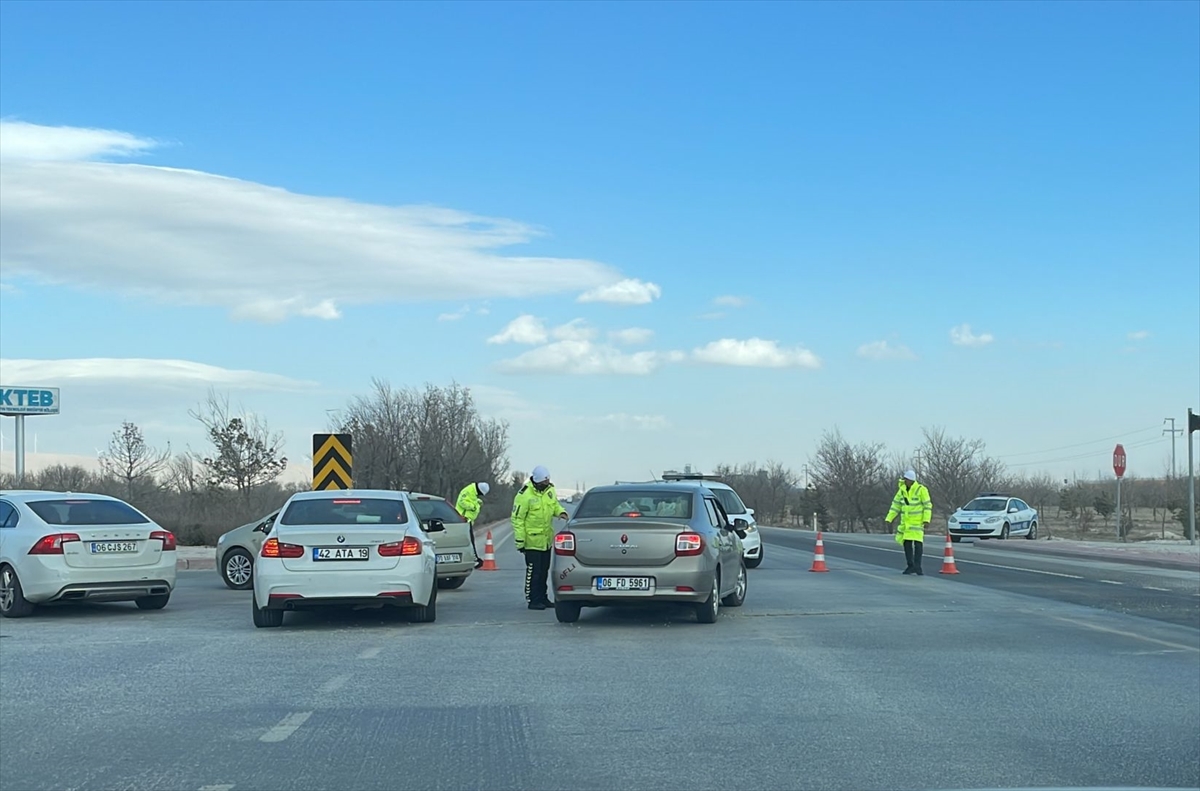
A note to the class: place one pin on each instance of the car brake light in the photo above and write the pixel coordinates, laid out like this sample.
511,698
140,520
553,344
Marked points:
165,536
564,544
689,544
408,547
274,548
52,544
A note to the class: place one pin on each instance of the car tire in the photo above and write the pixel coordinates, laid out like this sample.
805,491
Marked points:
427,613
755,562
266,618
1032,534
451,583
738,597
243,563
1004,532
156,602
567,611
711,608
13,603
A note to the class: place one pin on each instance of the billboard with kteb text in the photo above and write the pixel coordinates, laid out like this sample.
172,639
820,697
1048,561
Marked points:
28,400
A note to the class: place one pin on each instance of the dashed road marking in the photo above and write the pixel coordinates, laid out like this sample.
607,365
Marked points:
958,560
286,727
1111,582
1124,633
333,684
219,787
1152,588
370,653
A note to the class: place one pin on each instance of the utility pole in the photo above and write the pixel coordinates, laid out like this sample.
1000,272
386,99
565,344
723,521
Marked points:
1174,432
806,477
917,461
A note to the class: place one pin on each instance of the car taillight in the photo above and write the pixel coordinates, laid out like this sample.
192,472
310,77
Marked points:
165,536
274,548
689,544
409,546
52,544
564,544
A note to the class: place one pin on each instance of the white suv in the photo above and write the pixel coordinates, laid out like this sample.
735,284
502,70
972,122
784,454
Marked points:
65,547
752,548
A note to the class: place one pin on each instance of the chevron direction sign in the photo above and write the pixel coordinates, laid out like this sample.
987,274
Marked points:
332,461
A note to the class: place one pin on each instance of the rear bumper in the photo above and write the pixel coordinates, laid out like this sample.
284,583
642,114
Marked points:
50,579
275,589
290,602
577,583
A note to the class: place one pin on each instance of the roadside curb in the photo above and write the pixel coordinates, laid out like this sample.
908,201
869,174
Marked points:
1168,563
195,564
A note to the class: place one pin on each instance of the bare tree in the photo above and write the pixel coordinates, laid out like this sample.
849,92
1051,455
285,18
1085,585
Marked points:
956,469
245,452
131,461
65,478
853,479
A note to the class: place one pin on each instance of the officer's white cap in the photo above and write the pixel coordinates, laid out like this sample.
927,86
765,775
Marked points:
910,475
484,488
540,474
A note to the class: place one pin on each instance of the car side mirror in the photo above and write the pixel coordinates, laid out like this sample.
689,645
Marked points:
435,526
740,524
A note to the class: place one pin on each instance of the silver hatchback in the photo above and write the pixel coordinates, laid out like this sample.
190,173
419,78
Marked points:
632,544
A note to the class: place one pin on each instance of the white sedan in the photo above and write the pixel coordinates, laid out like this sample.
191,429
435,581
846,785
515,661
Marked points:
346,548
60,547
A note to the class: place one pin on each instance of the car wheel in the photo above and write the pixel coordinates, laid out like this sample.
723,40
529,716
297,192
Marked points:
237,569
738,596
451,583
1032,534
755,562
1004,532
13,603
427,613
266,618
156,602
567,611
707,612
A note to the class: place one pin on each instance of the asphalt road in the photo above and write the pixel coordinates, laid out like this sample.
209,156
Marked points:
855,679
1171,595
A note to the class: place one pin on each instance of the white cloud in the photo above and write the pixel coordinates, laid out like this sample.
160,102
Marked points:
713,316
585,357
55,373
525,329
574,330
882,350
731,301
633,336
626,292
755,353
188,237
8,288
24,141
1140,335
456,315
962,336
624,422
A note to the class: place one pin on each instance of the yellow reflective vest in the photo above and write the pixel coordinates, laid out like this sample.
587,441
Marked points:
468,503
915,509
533,517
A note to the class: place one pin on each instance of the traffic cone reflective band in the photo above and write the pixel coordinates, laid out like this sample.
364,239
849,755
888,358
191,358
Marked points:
819,558
489,554
948,566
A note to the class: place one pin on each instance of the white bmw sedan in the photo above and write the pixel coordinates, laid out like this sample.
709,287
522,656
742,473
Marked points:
346,548
63,547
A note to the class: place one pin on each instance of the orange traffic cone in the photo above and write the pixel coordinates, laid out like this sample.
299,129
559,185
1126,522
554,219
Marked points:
819,558
489,555
948,566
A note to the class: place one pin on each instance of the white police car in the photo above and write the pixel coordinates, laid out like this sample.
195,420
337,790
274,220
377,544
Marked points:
994,515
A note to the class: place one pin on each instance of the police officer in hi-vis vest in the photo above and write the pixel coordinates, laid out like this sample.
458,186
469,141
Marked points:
915,509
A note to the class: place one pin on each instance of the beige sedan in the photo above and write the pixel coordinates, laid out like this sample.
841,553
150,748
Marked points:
237,549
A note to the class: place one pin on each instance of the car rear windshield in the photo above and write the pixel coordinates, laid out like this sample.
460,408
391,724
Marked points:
986,504
81,513
435,509
636,503
345,511
732,504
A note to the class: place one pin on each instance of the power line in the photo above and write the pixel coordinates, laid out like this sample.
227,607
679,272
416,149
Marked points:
1088,455
1078,444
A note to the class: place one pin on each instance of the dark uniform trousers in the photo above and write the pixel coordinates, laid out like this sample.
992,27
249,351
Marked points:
537,569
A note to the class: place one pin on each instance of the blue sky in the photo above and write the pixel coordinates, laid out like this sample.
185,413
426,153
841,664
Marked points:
783,215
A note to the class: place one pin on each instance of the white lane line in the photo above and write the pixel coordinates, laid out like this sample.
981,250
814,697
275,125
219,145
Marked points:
958,560
224,787
286,727
370,653
1123,633
333,684
1152,588
1111,582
